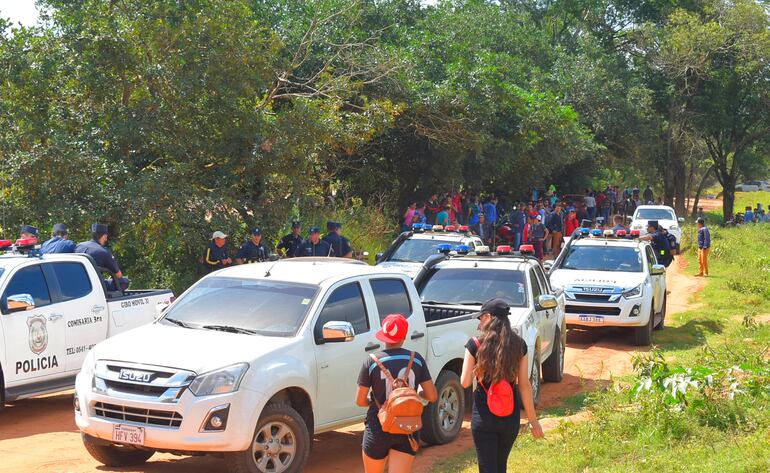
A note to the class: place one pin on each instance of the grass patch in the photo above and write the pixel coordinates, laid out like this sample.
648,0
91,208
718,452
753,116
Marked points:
742,200
700,402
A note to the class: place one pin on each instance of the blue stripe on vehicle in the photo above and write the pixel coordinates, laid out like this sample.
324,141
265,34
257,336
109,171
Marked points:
394,357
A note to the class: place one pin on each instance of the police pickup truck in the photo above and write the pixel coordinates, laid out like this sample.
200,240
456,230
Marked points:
408,252
253,360
610,280
54,308
460,282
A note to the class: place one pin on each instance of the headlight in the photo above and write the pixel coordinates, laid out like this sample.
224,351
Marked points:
633,293
221,381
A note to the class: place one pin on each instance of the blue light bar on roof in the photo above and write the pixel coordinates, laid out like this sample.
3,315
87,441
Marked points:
462,249
427,226
596,232
418,226
585,231
444,248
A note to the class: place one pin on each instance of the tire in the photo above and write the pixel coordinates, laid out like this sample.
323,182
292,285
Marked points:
114,455
643,335
442,420
534,380
2,390
553,368
661,324
288,447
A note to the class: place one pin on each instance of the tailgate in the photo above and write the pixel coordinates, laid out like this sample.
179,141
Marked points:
134,310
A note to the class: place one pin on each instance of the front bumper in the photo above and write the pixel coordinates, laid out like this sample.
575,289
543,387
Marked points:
616,314
187,437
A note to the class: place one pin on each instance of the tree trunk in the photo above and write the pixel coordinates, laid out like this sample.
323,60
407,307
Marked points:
700,189
680,173
728,200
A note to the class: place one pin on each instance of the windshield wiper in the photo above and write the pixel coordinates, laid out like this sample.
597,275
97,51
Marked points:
405,260
469,303
176,322
229,328
433,302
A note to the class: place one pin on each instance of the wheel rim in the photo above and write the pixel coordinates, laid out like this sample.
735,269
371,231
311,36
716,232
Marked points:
534,381
274,448
562,350
448,409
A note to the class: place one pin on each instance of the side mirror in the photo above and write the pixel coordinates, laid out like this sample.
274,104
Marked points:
547,265
336,332
546,302
658,269
20,303
378,257
680,220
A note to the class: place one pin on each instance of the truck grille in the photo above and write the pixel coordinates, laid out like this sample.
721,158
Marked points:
592,297
129,388
575,309
138,382
138,415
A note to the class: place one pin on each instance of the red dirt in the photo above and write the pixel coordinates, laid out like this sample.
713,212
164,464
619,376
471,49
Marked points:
39,435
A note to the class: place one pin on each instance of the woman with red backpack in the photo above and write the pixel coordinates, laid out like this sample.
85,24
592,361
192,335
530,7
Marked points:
497,360
387,385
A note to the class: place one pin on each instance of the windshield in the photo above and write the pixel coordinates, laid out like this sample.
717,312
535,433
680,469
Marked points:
417,251
474,286
244,305
603,258
654,214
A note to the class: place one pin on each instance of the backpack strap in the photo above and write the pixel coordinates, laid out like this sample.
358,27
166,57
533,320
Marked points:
478,380
408,370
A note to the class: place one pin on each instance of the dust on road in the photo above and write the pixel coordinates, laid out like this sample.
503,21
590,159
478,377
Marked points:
39,435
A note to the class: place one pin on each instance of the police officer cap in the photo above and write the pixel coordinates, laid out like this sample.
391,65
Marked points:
60,228
256,232
701,220
314,230
331,225
337,225
653,224
296,224
99,228
29,229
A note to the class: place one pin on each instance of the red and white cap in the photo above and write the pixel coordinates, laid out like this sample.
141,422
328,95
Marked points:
394,329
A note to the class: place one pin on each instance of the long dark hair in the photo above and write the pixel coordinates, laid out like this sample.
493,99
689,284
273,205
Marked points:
500,351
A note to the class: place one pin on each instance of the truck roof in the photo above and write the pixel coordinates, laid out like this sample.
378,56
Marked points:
9,259
446,236
305,270
601,241
514,263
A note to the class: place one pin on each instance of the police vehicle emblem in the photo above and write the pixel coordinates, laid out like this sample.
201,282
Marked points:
38,334
135,375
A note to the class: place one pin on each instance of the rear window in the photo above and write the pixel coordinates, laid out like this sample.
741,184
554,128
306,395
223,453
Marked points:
654,214
417,251
73,279
474,286
391,297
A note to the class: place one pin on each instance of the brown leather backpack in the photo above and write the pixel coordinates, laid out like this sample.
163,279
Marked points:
402,411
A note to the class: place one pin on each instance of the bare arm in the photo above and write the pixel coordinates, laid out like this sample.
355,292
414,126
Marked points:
429,392
526,396
362,396
469,364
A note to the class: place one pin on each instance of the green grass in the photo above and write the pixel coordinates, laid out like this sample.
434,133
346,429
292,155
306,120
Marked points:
704,430
742,200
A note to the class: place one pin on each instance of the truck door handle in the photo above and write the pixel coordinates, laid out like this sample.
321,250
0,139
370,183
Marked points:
372,346
97,308
416,335
54,317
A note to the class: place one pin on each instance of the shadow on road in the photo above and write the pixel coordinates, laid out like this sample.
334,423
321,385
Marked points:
39,415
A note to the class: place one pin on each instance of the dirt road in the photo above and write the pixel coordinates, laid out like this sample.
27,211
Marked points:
39,435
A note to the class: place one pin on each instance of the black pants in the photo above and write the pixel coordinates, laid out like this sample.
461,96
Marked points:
493,436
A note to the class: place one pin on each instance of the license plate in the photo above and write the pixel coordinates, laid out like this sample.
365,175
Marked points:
597,319
128,434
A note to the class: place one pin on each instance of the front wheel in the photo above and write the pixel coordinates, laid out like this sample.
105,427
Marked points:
643,335
115,455
442,420
534,380
281,444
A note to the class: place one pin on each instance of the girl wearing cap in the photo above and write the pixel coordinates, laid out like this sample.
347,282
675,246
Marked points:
373,389
499,354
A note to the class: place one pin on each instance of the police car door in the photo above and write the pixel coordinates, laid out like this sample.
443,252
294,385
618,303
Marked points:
338,363
78,295
656,280
541,316
33,328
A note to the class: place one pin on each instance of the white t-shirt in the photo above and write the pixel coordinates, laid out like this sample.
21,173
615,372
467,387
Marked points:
590,201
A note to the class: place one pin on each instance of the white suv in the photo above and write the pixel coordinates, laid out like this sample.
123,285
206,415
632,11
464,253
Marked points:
664,215
612,282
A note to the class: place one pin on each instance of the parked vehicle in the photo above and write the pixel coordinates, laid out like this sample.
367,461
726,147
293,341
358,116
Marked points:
253,360
459,285
664,215
54,309
747,187
612,282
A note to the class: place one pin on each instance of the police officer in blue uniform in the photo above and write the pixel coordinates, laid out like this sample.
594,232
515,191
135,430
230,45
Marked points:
346,251
216,256
102,255
659,243
289,243
339,244
314,245
58,242
252,250
28,231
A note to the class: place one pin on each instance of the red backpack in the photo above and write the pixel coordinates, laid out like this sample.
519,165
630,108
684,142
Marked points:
500,397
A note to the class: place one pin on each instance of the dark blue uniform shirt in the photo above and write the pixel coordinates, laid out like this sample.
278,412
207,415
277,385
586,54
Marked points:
307,248
339,244
290,243
662,248
58,244
215,256
101,255
252,253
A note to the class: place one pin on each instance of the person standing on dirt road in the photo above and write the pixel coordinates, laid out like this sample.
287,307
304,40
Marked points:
498,355
380,447
704,246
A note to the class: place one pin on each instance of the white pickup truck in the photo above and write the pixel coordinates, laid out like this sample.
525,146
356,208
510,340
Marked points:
253,360
54,309
458,284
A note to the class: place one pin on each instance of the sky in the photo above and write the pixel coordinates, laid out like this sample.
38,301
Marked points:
19,11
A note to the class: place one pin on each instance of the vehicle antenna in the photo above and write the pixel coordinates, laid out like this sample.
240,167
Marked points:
267,273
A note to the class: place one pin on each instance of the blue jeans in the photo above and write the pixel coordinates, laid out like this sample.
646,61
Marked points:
591,213
516,241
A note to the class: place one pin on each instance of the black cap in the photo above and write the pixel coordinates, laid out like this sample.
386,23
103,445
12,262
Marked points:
60,228
331,225
314,230
496,307
99,228
653,224
256,232
296,224
29,229
701,220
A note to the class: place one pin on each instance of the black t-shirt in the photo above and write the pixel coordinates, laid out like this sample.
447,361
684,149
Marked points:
396,361
480,410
